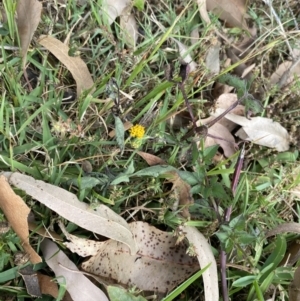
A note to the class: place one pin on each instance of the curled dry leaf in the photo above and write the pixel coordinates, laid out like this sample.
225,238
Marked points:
16,212
28,19
224,102
66,272
230,11
113,9
199,246
101,220
226,140
159,265
185,55
262,131
31,281
75,65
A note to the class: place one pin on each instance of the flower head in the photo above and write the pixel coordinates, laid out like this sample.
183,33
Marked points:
137,131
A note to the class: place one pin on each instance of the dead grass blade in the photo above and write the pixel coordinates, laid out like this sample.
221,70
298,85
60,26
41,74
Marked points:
75,65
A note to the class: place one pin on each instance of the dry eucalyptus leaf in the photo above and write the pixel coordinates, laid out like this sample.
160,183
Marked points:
199,246
151,159
101,220
66,272
230,11
282,68
75,65
262,131
160,264
203,11
212,60
129,27
28,18
16,212
113,9
185,55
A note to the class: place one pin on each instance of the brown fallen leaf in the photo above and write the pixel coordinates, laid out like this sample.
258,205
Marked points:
28,18
75,65
79,286
151,159
286,227
160,264
294,288
292,254
230,11
182,191
16,212
101,220
47,285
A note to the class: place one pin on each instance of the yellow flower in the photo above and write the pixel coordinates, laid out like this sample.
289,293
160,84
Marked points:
137,131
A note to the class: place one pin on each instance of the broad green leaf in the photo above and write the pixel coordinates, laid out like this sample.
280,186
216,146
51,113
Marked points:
244,281
154,171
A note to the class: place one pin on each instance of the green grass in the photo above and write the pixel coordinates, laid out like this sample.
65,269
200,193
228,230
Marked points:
42,136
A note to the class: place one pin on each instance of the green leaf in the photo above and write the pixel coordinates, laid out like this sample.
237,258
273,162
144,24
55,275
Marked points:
154,171
278,253
130,169
244,281
184,285
119,179
139,4
87,182
119,132
120,294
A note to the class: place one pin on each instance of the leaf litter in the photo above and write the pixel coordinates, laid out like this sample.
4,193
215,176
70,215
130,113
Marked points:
150,269
233,13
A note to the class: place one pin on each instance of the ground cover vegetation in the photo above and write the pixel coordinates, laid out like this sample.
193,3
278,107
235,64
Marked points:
158,139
